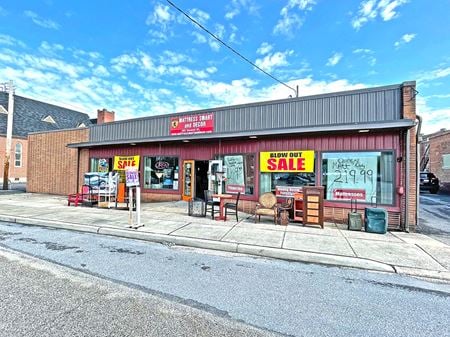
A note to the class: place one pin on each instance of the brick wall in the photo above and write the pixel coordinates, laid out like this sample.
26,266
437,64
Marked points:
440,145
52,166
15,173
409,112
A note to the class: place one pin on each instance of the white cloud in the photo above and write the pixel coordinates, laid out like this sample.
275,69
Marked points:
236,6
11,41
264,48
366,54
170,57
199,37
160,15
100,71
45,23
273,60
334,59
433,75
406,38
369,10
123,62
199,15
290,21
433,119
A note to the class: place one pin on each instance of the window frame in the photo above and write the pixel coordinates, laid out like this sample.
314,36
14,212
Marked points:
255,158
144,185
394,176
20,154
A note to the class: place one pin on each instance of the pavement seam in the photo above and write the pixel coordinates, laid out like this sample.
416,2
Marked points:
423,250
234,226
348,242
284,235
187,224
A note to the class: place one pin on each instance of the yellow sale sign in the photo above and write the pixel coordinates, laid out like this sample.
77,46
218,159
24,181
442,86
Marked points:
286,161
122,162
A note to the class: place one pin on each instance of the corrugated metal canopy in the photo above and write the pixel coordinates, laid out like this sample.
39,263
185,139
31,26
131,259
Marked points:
355,127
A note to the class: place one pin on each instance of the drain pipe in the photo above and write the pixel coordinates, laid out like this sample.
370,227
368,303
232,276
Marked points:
407,167
419,126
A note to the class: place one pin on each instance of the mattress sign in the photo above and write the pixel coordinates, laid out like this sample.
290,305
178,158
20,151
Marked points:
192,124
287,161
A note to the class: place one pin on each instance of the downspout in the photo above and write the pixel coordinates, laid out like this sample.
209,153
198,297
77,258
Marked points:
419,126
407,150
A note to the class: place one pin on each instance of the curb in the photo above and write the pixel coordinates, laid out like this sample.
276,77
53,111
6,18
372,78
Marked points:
232,247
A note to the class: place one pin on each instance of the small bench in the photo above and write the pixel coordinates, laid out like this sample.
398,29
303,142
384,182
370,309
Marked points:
74,198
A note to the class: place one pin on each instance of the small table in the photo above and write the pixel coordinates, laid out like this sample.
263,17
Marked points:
222,198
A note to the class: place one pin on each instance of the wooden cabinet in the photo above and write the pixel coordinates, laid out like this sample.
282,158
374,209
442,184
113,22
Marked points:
298,207
313,205
308,206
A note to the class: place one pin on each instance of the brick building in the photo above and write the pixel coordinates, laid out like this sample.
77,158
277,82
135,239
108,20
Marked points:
31,116
435,148
358,144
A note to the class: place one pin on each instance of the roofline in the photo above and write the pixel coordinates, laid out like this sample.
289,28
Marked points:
14,136
399,124
58,130
293,99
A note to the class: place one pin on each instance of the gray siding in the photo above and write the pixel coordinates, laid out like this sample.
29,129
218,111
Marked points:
352,107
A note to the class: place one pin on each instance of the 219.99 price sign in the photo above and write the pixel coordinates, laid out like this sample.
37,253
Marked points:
352,178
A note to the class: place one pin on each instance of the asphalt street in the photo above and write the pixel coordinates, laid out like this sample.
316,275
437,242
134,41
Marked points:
276,296
434,216
43,299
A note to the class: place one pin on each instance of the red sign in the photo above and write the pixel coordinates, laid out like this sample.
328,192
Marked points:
192,124
235,188
348,194
287,191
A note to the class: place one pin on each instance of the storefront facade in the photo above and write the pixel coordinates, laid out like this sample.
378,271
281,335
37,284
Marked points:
357,144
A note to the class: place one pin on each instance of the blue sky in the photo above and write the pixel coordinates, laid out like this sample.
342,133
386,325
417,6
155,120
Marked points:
142,58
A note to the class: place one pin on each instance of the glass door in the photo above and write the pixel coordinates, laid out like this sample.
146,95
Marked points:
188,179
215,176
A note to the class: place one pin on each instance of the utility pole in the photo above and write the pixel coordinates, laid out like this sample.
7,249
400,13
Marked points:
9,129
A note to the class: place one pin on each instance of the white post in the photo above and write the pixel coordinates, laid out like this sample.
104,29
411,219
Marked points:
9,129
130,206
138,206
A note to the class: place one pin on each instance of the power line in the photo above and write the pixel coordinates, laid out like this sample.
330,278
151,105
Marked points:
229,47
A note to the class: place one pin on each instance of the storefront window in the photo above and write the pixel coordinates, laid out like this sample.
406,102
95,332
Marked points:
364,176
100,165
286,172
240,173
161,173
272,181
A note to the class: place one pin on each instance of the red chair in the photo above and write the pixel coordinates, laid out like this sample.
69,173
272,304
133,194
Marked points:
74,198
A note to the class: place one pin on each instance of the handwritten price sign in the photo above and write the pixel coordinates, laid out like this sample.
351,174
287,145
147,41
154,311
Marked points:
352,178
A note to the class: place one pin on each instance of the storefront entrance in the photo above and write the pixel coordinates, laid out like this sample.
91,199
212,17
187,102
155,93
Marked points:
201,178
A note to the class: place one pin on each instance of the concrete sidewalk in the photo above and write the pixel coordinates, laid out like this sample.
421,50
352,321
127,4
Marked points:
396,252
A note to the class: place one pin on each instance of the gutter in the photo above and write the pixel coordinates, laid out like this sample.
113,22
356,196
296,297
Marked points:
419,126
407,168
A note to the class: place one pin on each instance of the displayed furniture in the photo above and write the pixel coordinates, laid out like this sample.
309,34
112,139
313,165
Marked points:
210,204
313,205
232,207
375,220
298,206
283,211
90,198
267,206
222,200
75,199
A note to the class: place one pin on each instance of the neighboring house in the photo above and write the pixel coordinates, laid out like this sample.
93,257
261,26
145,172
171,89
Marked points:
435,151
31,116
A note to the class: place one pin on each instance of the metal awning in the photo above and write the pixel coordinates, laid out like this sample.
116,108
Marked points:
358,127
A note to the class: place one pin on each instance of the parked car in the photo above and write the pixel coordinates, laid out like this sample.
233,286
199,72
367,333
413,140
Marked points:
429,182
